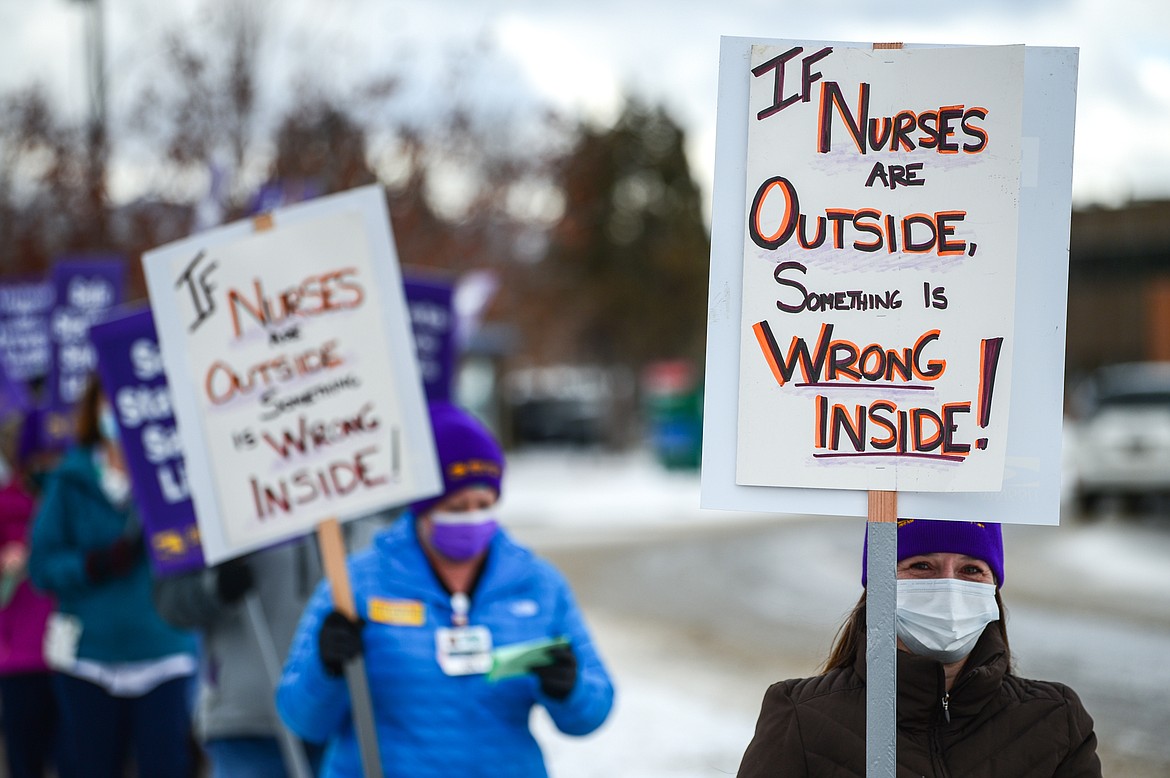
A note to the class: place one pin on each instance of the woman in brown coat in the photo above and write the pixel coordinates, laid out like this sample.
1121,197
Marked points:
962,713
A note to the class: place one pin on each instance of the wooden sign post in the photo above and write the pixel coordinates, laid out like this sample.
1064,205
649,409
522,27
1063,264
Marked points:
332,545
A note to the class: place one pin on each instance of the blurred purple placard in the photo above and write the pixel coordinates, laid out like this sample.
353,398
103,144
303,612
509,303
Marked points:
25,307
432,320
14,397
131,371
86,288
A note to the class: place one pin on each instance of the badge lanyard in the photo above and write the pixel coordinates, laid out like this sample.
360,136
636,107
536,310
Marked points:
460,606
462,649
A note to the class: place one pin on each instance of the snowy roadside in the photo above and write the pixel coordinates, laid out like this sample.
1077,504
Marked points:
562,498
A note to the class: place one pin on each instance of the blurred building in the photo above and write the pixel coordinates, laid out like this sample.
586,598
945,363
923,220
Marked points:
1119,286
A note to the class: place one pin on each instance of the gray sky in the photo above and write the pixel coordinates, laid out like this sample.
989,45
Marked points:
583,55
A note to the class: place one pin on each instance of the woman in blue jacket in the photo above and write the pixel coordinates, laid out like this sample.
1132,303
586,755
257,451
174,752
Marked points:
122,673
435,593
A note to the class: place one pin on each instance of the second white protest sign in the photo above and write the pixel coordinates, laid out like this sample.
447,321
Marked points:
291,366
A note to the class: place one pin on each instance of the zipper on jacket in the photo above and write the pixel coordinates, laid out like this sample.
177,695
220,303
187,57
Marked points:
936,746
937,755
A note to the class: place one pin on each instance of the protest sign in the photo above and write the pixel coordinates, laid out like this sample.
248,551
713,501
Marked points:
130,367
25,307
879,267
131,370
432,320
86,287
868,315
292,371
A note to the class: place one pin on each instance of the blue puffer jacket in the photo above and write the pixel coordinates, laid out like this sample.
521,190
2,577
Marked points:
431,725
118,618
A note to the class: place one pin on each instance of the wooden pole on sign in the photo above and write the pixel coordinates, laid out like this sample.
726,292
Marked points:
262,222
881,689
333,561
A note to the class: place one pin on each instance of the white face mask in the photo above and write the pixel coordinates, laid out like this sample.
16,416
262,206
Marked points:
942,618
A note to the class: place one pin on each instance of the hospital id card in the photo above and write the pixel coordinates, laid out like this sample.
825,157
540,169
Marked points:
464,650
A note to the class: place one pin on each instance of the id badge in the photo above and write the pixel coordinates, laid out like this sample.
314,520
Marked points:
464,650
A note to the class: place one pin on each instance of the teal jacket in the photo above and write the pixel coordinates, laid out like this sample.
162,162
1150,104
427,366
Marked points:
119,621
430,725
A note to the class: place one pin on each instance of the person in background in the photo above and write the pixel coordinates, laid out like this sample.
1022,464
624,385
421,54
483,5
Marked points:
26,693
437,592
122,672
961,709
235,719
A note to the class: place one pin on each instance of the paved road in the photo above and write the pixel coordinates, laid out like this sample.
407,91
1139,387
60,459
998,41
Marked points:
699,618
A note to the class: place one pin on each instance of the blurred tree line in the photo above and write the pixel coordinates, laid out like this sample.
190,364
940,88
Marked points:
594,234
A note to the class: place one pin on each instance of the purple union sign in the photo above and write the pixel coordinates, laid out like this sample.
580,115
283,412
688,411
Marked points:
131,371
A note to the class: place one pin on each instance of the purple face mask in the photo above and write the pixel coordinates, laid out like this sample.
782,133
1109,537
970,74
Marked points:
462,536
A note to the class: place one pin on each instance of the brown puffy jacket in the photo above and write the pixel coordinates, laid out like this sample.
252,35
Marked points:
1000,726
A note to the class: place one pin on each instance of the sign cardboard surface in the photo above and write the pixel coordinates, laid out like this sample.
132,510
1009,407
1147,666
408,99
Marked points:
879,266
291,365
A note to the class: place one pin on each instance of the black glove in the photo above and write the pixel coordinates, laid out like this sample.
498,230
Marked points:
233,579
114,560
339,641
558,679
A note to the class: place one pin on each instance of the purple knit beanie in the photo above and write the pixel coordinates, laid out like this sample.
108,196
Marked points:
982,540
469,454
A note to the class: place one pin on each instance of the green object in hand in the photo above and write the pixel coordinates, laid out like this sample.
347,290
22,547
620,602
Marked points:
520,658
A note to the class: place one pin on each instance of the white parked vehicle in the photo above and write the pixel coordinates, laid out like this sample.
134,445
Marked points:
1121,433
